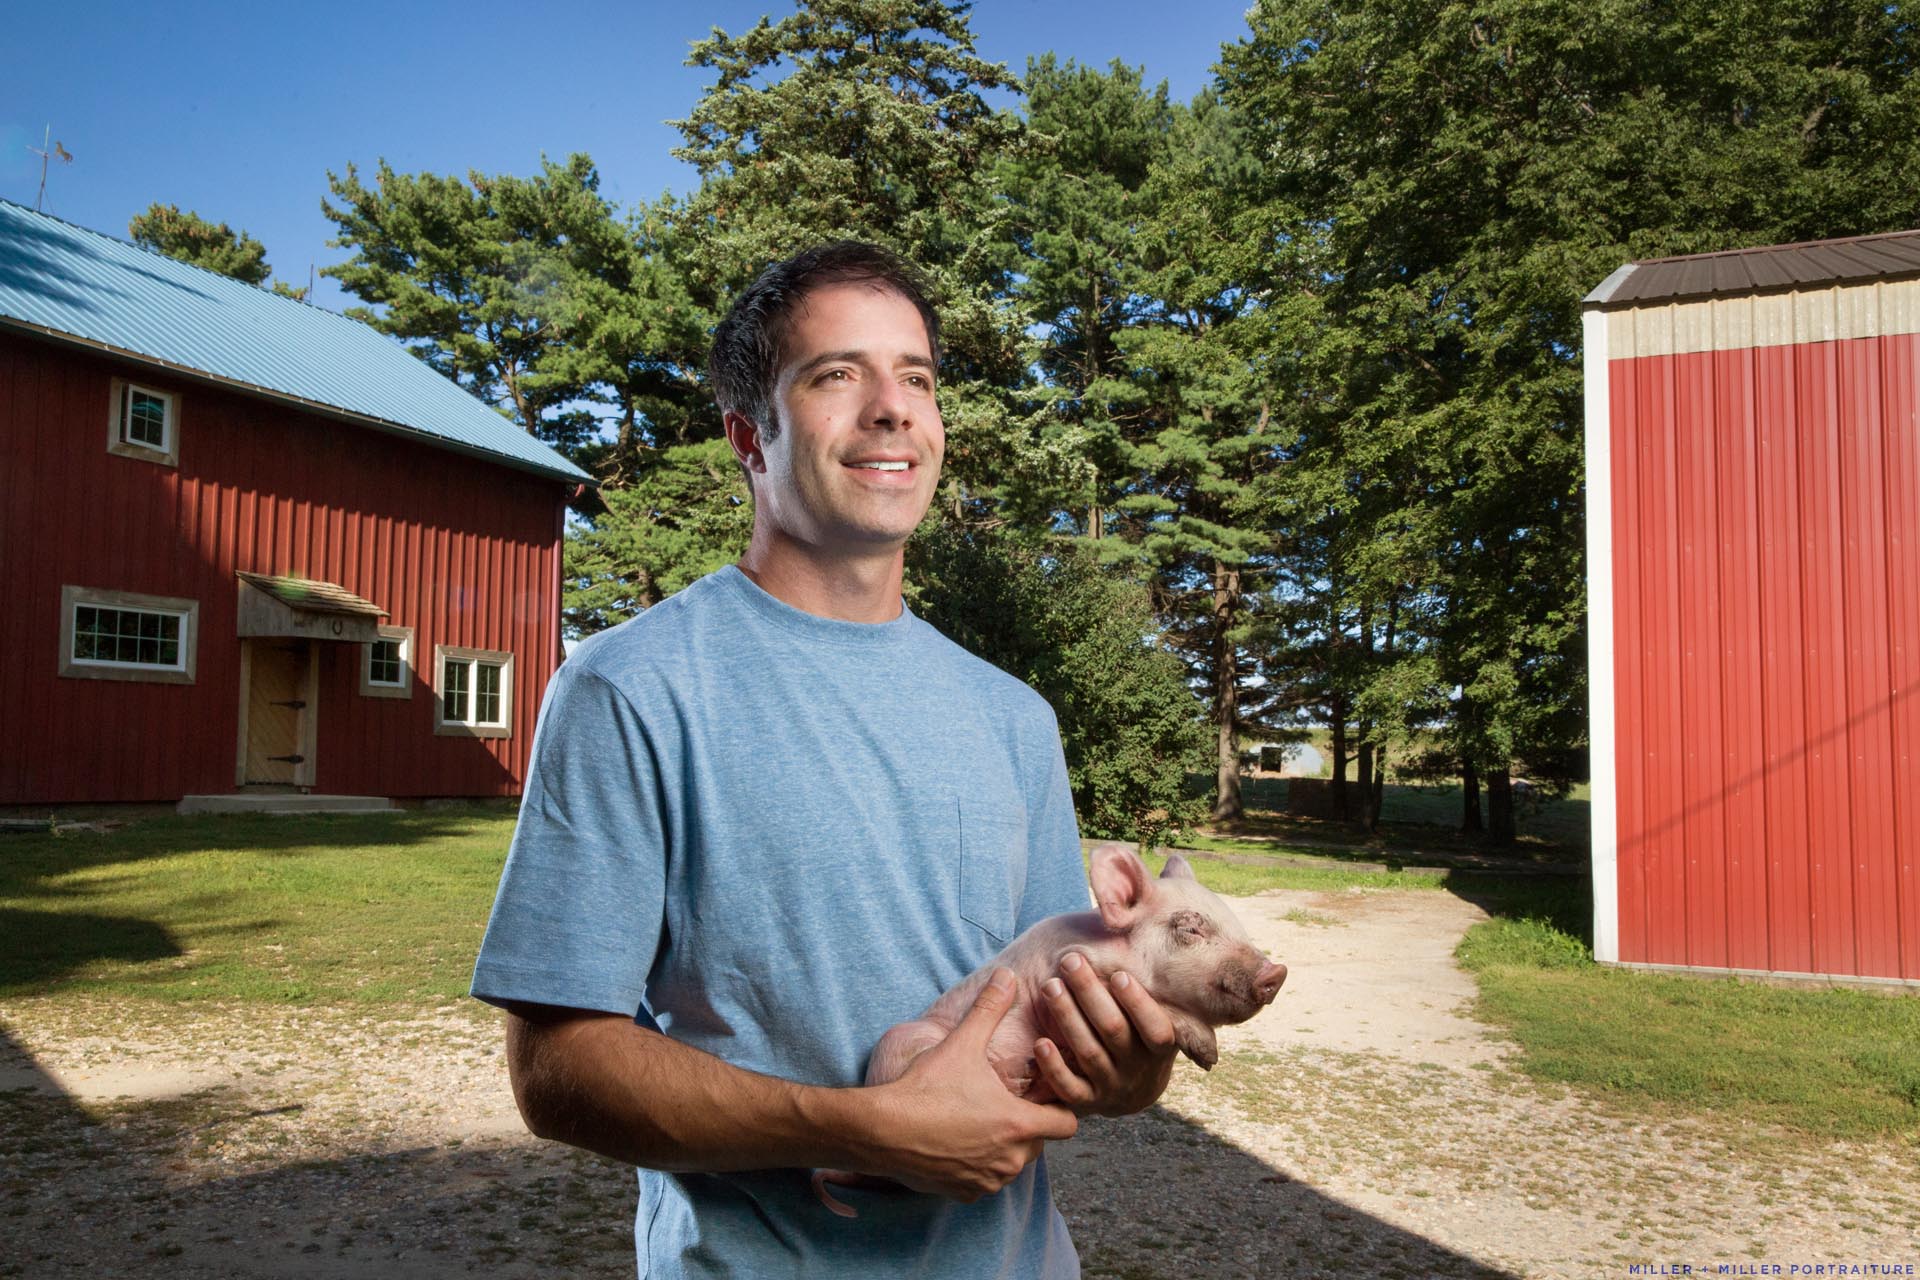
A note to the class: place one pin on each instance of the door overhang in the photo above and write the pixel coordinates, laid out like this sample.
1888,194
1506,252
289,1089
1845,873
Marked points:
304,609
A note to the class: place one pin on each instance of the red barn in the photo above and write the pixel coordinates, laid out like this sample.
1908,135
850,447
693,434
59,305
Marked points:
248,543
1753,463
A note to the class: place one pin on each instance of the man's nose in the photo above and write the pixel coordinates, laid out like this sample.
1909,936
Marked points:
889,406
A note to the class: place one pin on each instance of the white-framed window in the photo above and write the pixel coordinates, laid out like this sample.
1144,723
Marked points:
144,422
121,635
386,664
473,692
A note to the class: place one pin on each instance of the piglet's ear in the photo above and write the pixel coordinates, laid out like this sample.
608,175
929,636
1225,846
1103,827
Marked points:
1177,868
1120,884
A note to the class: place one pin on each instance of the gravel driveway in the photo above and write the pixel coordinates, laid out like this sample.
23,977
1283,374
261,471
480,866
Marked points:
1363,1126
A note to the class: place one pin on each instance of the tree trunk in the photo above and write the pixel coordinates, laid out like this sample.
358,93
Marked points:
1470,783
1227,805
1364,754
1339,787
1378,800
1500,828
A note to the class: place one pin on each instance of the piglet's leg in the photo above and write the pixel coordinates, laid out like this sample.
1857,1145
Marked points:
891,1058
822,1177
1195,1039
901,1045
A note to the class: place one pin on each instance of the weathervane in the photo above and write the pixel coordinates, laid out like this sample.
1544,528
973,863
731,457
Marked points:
66,157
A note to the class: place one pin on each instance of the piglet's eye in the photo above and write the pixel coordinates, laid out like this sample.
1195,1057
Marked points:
1188,926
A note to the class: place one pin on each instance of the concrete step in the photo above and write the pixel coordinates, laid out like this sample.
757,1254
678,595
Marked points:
284,803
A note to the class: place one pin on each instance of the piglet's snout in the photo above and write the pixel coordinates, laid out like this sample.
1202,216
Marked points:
1266,983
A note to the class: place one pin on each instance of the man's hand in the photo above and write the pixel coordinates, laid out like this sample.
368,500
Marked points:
950,1125
1120,1038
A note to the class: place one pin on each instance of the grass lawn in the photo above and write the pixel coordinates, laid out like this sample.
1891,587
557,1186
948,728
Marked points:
1244,879
1832,1062
369,909
388,910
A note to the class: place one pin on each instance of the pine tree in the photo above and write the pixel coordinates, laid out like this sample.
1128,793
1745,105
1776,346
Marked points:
1190,417
468,273
192,238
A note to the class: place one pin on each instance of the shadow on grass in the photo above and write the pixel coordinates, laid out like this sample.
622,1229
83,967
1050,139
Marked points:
165,887
1563,902
45,946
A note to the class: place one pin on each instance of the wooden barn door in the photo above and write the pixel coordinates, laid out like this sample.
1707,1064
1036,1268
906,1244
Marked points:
279,713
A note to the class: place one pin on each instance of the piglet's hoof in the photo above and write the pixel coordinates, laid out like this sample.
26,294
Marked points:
838,1178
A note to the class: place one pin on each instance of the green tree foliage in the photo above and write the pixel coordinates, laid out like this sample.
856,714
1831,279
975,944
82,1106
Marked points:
1126,215
1187,418
191,238
468,274
1082,635
634,338
876,131
1075,208
680,512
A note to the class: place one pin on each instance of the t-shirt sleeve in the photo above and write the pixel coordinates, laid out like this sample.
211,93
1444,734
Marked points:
1056,873
577,919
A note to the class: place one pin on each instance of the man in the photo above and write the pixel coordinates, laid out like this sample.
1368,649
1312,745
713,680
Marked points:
775,815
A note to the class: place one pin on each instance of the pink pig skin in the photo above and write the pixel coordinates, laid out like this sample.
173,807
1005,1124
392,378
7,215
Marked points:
1172,935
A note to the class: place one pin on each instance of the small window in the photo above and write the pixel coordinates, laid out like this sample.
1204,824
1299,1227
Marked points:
117,635
143,418
128,637
144,423
386,668
475,692
383,662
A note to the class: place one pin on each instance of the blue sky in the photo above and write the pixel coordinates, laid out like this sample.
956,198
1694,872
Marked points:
238,111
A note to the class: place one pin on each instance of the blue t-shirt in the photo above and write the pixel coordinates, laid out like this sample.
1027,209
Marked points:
772,836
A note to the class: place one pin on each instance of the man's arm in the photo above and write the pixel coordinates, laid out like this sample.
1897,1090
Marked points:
948,1126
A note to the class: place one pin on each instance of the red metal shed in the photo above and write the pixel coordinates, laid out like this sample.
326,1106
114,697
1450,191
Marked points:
245,542
1753,470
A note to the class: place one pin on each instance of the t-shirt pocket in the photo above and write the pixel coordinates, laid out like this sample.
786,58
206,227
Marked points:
993,866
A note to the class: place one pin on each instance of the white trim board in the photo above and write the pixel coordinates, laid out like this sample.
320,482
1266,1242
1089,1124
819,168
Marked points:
1775,975
1604,816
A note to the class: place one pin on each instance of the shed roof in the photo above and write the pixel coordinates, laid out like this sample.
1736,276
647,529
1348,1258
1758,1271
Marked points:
1774,268
312,596
66,282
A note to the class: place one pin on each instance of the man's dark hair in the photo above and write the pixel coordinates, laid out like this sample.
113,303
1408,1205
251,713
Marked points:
745,360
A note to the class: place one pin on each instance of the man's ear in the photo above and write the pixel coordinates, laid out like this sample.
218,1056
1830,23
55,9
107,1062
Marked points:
744,438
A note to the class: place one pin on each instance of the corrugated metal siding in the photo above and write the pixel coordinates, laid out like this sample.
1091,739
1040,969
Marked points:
465,552
1767,642
67,279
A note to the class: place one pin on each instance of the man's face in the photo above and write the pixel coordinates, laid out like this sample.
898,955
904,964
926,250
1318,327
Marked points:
860,440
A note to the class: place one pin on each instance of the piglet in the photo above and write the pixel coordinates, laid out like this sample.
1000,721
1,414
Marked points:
1172,935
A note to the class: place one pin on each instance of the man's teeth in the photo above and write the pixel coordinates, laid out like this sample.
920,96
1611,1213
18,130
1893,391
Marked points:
882,466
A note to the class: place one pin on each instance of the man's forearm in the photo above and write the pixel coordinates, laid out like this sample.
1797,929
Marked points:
947,1126
621,1090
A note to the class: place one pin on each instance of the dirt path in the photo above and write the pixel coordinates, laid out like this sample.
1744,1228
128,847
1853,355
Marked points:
1365,1125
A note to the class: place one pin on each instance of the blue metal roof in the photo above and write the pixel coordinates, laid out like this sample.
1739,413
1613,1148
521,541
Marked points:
71,282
